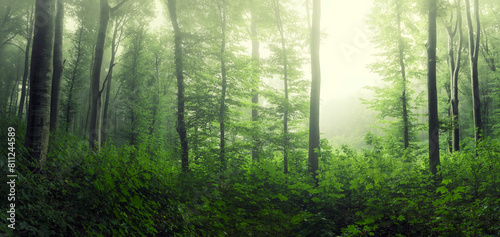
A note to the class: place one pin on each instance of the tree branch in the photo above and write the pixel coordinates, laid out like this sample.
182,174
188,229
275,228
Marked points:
106,79
118,6
9,43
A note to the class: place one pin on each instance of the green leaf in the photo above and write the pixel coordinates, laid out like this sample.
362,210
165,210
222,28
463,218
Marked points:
369,186
438,202
459,189
442,190
281,197
446,181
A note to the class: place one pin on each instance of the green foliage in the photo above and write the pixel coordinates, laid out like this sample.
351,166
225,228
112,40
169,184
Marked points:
394,31
133,191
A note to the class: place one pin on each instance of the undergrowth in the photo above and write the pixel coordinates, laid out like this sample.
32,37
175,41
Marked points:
140,191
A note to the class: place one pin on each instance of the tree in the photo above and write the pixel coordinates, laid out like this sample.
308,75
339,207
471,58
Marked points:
404,99
10,22
431,89
181,125
29,36
314,148
115,43
137,76
489,48
94,134
285,79
395,34
454,65
37,129
58,66
75,90
68,114
255,77
223,19
473,57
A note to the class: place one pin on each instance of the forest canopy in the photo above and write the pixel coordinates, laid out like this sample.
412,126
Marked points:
239,118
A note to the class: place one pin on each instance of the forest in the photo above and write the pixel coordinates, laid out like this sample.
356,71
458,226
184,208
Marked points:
219,118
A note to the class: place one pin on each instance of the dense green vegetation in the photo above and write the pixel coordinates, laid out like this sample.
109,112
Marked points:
129,191
201,118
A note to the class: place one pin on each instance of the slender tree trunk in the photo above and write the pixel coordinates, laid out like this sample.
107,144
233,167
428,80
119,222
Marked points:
474,55
87,115
105,122
58,66
285,78
432,92
29,33
156,97
489,58
94,133
256,79
181,126
406,136
135,89
73,80
454,72
14,92
222,14
37,129
314,147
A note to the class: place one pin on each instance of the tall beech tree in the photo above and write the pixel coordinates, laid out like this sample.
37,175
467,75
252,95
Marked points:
431,89
37,129
404,99
279,24
314,147
473,58
223,19
454,65
181,123
255,76
95,98
58,66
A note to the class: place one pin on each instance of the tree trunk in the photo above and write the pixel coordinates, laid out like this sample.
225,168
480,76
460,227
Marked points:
432,92
285,78
94,133
474,55
37,129
58,66
181,126
14,93
222,14
29,34
156,97
454,72
314,147
404,100
256,79
73,79
105,122
135,90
